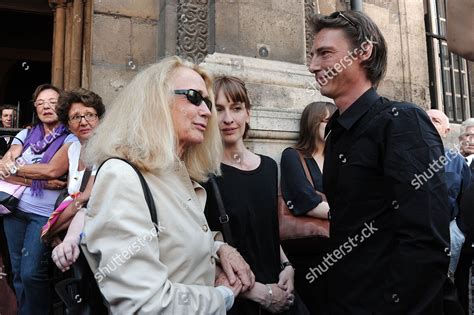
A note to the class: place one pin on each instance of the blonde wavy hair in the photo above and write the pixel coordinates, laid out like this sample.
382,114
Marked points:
139,127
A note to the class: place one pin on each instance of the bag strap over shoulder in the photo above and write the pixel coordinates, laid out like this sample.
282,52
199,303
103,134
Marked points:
223,216
305,167
85,179
146,191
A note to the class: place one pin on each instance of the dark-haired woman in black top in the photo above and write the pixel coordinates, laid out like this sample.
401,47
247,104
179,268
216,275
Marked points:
306,198
248,187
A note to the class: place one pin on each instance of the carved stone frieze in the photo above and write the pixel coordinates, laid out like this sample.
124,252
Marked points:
193,29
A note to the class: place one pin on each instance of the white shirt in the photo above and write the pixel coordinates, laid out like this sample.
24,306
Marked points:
469,159
75,176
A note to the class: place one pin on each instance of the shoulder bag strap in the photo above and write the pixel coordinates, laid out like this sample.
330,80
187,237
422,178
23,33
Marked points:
223,216
146,190
85,179
305,167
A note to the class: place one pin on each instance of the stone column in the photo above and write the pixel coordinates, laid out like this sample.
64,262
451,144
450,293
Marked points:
58,43
76,44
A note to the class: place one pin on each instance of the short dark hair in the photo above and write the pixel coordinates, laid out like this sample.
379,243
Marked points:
38,90
234,90
43,87
10,107
359,28
7,106
312,116
80,95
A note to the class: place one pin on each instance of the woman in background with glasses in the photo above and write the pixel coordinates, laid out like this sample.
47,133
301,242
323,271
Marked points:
80,110
48,140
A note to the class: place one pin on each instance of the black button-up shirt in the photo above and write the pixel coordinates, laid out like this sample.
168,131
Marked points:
390,236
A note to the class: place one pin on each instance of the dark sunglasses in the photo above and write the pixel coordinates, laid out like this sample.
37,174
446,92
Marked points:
195,97
337,14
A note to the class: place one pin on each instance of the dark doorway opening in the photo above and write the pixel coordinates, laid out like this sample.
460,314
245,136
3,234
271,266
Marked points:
25,54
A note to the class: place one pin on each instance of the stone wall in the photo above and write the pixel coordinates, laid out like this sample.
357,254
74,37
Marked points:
263,42
402,24
124,40
269,29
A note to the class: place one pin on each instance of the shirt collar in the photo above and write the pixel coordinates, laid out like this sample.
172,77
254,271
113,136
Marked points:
469,159
356,110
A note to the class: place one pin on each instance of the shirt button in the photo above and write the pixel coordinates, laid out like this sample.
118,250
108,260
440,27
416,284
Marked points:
205,228
342,158
213,260
395,298
395,205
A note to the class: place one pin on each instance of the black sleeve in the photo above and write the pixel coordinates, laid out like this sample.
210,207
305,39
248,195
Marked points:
419,258
296,190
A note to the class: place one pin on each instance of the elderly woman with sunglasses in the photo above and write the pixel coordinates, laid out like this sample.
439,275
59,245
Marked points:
164,123
46,141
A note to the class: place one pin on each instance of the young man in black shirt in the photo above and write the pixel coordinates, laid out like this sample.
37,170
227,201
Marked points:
389,219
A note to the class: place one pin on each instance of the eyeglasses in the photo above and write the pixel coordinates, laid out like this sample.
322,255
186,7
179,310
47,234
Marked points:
89,117
51,103
337,14
195,97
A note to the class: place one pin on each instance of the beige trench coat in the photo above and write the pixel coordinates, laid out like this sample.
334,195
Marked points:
136,272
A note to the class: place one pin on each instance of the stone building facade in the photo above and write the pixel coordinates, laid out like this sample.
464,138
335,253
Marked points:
102,44
264,42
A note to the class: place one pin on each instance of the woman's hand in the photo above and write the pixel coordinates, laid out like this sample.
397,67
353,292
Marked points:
277,302
287,281
235,267
8,158
66,253
55,184
7,166
221,279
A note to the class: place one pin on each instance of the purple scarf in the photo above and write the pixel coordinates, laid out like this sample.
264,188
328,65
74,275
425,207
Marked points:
50,144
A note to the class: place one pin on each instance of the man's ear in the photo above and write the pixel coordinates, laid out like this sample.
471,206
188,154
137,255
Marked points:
366,51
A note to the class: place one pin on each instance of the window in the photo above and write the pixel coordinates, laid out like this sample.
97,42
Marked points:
449,79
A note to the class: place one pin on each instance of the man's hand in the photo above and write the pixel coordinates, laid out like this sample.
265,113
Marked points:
235,267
